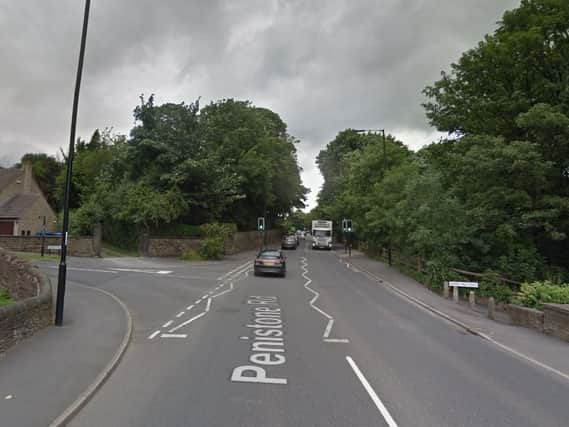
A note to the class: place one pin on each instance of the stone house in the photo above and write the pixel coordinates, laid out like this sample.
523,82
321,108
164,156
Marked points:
23,206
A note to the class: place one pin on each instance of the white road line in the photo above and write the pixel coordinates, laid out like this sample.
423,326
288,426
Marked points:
197,301
163,272
174,336
189,307
187,322
180,314
135,270
328,328
86,269
168,323
153,334
208,305
209,293
339,340
224,292
229,273
376,400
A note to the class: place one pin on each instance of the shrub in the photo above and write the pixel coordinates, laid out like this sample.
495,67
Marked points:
191,255
492,285
218,230
212,248
535,294
4,297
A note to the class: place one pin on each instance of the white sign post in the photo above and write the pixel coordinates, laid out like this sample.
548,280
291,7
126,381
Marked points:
457,285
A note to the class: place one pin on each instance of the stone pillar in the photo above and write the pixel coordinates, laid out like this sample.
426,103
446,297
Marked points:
143,243
455,294
445,289
472,299
491,308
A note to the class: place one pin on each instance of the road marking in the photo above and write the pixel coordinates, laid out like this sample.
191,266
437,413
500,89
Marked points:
153,334
328,328
208,305
168,323
135,270
189,307
174,336
197,301
187,322
337,340
8,397
209,293
229,273
243,338
374,397
86,269
225,291
180,314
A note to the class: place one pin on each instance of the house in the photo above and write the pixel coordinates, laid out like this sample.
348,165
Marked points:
23,208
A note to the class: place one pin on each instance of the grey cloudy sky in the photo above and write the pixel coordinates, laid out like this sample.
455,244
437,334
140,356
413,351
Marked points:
323,65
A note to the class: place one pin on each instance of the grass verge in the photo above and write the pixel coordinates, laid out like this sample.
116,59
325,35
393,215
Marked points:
34,256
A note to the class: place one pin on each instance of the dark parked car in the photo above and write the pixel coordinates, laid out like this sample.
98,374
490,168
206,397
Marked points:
270,261
289,242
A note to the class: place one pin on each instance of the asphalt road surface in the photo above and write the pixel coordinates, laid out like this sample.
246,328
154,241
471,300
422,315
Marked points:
324,346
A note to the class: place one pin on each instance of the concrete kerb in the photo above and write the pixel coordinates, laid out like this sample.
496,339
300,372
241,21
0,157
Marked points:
463,325
84,397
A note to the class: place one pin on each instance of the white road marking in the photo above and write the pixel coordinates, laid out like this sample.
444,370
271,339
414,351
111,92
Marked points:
163,272
135,270
243,338
180,314
208,305
229,273
153,334
187,322
174,336
209,293
168,323
86,269
8,397
225,291
328,328
197,301
338,340
376,400
189,307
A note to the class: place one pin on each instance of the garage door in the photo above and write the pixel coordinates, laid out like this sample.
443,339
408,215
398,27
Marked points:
6,228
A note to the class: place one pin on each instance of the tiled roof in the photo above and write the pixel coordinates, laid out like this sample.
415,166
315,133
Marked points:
7,176
16,206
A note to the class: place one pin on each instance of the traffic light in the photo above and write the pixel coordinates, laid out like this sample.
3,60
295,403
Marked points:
261,223
344,225
349,227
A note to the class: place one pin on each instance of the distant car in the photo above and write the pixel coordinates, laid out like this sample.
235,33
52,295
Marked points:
289,241
270,261
300,234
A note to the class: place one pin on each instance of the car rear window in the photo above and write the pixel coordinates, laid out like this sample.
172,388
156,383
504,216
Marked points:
273,254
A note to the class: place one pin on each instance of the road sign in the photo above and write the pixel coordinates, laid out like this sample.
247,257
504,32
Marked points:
463,284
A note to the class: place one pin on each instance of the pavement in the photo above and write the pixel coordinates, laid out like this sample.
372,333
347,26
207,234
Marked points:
328,345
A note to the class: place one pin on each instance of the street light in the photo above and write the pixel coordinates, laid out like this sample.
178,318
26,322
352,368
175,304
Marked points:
62,262
375,131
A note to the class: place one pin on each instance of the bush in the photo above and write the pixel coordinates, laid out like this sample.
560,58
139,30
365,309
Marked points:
491,285
218,230
4,297
212,248
191,255
535,294
175,230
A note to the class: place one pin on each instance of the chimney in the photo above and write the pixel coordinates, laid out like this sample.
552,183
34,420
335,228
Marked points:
27,167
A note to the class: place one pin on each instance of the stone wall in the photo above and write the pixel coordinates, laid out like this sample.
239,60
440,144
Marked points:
32,309
78,246
527,317
556,320
170,247
176,246
251,240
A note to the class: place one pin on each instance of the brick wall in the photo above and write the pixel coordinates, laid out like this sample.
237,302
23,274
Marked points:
32,309
78,246
251,240
556,320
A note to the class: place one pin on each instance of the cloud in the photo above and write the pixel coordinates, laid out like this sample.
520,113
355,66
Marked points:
322,65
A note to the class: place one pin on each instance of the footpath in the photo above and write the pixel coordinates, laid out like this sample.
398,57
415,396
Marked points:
44,377
548,352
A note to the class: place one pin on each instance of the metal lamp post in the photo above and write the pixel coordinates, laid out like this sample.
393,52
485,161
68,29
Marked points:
64,238
382,131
